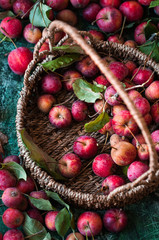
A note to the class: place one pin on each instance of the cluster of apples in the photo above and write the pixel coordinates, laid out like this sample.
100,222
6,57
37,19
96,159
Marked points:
128,147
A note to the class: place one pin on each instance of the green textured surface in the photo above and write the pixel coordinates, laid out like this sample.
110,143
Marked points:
143,216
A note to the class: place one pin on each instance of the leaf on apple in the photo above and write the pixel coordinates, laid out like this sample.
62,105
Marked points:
41,204
38,15
62,222
69,49
40,157
154,4
61,62
16,169
98,123
86,91
57,198
6,14
151,48
4,38
34,230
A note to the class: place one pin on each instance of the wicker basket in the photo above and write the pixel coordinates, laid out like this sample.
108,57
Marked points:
84,189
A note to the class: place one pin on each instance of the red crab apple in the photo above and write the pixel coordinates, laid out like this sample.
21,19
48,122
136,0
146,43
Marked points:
155,112
79,3
6,179
45,102
118,108
18,60
109,19
112,182
116,38
130,43
68,16
143,75
87,67
38,195
112,97
60,116
110,3
85,147
142,105
12,218
11,27
69,165
155,139
107,128
12,197
35,214
102,165
152,91
136,169
13,234
115,220
79,110
11,158
51,83
100,106
145,2
102,80
148,119
31,33
131,66
119,70
50,220
69,77
139,33
143,152
57,5
123,124
6,4
132,10
123,153
96,34
133,94
26,186
91,11
78,235
22,8
89,223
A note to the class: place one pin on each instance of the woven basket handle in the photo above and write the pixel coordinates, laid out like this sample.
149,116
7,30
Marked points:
73,33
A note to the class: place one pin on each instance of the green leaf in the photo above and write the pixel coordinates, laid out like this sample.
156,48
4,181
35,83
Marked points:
154,4
98,123
61,62
62,222
4,38
35,229
41,204
38,15
16,169
40,157
125,169
150,29
6,14
57,198
86,91
69,49
151,48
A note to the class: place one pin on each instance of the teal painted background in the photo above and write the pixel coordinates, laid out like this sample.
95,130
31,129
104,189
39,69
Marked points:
143,216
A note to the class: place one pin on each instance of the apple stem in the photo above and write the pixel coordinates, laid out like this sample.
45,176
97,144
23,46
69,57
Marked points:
135,73
75,235
141,85
114,148
137,142
107,134
90,230
34,234
96,20
27,12
81,143
122,29
36,187
8,37
64,101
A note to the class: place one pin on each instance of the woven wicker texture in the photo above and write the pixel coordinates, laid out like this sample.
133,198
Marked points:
84,189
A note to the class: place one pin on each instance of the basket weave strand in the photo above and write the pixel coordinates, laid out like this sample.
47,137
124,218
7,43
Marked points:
128,193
